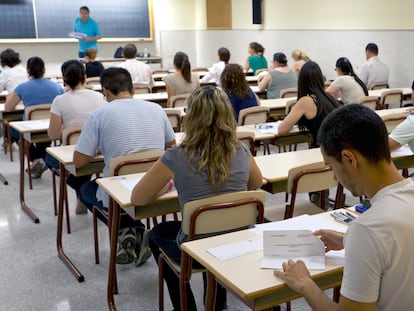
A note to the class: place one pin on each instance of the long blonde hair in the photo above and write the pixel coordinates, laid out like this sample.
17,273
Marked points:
299,55
210,141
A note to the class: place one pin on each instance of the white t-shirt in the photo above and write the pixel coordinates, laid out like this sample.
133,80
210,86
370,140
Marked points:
214,73
349,89
12,77
379,251
404,132
140,73
374,71
75,105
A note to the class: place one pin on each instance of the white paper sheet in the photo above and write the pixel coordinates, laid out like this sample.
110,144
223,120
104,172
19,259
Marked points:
129,183
268,128
237,249
281,245
37,124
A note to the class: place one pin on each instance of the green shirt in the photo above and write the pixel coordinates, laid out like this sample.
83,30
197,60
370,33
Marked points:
257,62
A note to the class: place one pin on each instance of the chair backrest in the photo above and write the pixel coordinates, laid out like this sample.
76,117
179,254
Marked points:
161,71
248,139
289,105
289,92
310,178
138,162
37,112
199,69
92,81
253,115
223,212
142,88
392,120
258,71
70,135
179,100
378,85
369,101
391,97
174,116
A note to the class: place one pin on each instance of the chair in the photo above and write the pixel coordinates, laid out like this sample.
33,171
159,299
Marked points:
248,139
93,83
200,69
290,92
138,162
314,177
160,71
70,136
391,97
142,88
379,85
35,112
213,215
369,101
258,71
178,100
174,116
253,115
392,120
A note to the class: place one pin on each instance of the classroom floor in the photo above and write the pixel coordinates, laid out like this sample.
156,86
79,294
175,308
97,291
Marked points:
34,278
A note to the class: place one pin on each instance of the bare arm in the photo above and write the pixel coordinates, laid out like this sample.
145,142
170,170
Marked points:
266,80
255,178
55,126
332,90
80,159
304,107
151,184
247,65
393,144
170,144
89,39
11,102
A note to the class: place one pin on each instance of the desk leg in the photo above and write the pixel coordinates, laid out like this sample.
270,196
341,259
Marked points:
211,292
25,208
3,179
112,260
61,254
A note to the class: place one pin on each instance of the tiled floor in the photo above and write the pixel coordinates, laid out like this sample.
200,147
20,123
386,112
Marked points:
34,278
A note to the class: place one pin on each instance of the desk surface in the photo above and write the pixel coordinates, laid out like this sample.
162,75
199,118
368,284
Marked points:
406,91
243,274
386,112
277,103
30,126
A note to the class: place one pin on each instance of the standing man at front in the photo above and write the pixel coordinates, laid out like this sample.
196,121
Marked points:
86,25
123,126
373,70
379,254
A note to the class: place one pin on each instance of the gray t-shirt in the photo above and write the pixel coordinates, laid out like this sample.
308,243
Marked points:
280,81
192,185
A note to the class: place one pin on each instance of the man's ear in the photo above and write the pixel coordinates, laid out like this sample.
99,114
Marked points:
349,158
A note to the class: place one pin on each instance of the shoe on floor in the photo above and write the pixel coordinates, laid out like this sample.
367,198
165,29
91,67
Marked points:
38,167
144,250
81,208
126,249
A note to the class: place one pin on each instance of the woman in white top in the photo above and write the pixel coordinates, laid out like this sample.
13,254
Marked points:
71,109
347,86
13,74
215,71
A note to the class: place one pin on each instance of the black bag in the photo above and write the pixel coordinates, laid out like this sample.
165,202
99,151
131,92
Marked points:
119,53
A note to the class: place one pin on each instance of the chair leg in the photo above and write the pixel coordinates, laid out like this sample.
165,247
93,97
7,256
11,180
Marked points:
175,217
67,210
95,235
54,191
161,283
336,293
29,169
148,223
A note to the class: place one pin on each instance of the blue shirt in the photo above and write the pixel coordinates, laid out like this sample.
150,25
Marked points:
38,91
89,28
239,104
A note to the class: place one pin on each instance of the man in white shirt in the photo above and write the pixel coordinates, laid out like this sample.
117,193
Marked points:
378,271
373,70
13,73
141,73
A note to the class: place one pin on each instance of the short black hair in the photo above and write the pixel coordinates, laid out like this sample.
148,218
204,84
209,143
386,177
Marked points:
224,54
73,73
116,80
280,58
356,127
129,50
372,47
85,8
9,58
35,67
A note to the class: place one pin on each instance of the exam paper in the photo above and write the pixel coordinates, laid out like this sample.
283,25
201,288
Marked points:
281,245
77,35
237,249
129,183
37,124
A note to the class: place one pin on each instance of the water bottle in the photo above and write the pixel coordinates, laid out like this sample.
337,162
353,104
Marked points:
145,52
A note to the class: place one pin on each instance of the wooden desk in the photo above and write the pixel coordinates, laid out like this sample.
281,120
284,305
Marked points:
386,112
261,94
149,60
277,106
378,93
3,96
159,98
64,154
120,197
6,117
257,288
29,132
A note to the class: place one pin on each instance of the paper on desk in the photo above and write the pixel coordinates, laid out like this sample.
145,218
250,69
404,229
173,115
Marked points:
129,183
37,124
268,128
237,249
281,245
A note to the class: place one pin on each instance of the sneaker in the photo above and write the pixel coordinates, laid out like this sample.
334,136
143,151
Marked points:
38,167
126,249
144,250
81,208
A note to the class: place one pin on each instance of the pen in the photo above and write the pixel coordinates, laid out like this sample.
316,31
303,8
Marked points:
339,219
350,215
342,217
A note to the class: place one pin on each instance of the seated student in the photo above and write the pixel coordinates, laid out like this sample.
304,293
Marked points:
215,71
71,109
182,81
403,134
256,60
378,244
281,77
233,82
373,70
13,73
347,86
313,104
300,58
37,90
210,161
123,126
140,72
93,68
